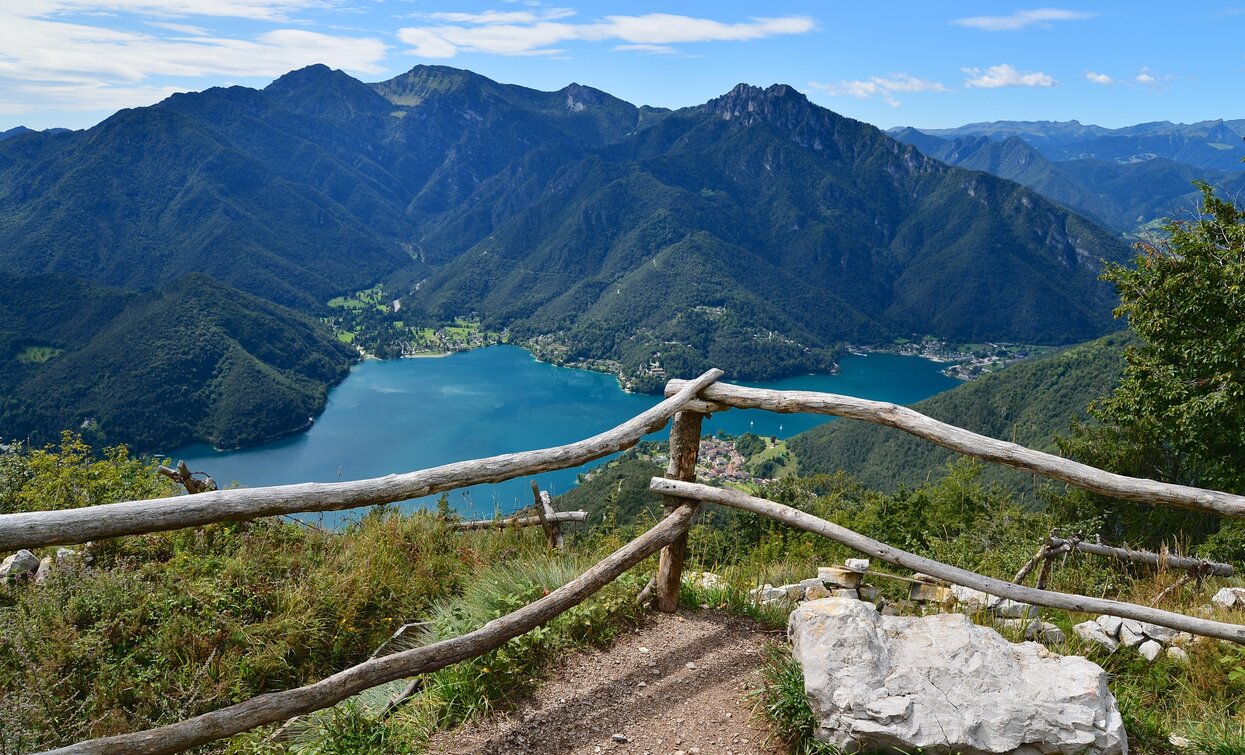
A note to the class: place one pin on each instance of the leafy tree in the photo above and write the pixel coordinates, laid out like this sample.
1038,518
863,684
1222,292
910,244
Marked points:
1179,413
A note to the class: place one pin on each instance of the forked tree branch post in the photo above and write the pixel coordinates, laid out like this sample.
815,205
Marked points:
684,448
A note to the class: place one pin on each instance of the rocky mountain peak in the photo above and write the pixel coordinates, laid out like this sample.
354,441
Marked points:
778,104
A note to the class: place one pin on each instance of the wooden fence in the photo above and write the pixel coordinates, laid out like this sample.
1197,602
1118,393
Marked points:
688,403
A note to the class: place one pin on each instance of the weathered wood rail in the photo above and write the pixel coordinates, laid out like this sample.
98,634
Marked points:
688,401
953,574
724,396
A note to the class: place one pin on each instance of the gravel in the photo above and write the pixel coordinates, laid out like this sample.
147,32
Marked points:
677,684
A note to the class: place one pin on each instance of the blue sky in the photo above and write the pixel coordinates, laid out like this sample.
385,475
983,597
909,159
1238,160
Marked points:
932,64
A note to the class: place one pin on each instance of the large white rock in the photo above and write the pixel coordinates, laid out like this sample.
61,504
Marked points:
945,684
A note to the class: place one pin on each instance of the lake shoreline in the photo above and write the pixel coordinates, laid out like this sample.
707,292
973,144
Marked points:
398,415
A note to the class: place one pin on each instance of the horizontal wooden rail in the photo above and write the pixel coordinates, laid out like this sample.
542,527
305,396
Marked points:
279,706
953,574
1196,566
723,395
556,517
39,528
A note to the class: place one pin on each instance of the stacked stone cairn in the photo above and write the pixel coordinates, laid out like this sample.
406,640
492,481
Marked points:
846,581
1151,641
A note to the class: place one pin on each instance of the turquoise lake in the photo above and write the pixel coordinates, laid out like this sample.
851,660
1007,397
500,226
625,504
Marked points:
406,414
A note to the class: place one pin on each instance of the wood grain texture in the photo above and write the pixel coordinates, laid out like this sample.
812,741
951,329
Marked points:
37,529
279,706
968,443
684,449
953,574
522,521
1056,545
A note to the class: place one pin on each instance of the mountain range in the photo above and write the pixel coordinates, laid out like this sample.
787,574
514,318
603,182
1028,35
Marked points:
1086,169
757,232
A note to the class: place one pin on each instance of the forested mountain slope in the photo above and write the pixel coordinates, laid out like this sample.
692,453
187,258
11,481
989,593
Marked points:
1028,403
192,360
758,221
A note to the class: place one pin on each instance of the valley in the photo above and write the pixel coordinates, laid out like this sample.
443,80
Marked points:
440,210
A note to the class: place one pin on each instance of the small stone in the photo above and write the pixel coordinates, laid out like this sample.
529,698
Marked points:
969,598
44,571
642,684
619,738
1110,624
793,592
834,576
1229,597
1182,638
816,592
843,592
1130,634
1158,633
1178,654
691,666
928,592
1092,631
643,649
857,564
19,564
1149,650
1009,608
1179,742
868,592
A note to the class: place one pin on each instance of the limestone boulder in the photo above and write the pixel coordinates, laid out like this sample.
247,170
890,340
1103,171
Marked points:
946,685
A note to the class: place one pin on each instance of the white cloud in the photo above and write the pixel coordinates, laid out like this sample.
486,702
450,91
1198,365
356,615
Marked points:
252,9
539,35
499,17
880,86
1099,78
1022,19
54,65
1150,80
1006,76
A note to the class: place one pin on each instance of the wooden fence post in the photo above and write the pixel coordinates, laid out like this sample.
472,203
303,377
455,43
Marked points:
684,448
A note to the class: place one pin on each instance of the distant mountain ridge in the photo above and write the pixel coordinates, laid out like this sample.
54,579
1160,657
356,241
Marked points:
1122,196
1212,145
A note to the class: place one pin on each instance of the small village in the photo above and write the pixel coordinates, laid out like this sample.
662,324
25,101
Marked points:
964,361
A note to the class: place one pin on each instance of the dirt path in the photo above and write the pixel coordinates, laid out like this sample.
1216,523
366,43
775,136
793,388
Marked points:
678,684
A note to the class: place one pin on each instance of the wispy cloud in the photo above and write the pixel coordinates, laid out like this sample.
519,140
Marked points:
1023,19
1099,78
57,65
538,34
1004,75
880,86
271,10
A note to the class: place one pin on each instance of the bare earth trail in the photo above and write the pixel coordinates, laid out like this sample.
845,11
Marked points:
678,683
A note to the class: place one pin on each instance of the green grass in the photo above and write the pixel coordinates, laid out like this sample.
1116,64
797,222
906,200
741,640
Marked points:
38,354
345,336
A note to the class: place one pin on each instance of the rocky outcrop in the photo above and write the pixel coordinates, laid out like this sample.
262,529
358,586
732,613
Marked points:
943,684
